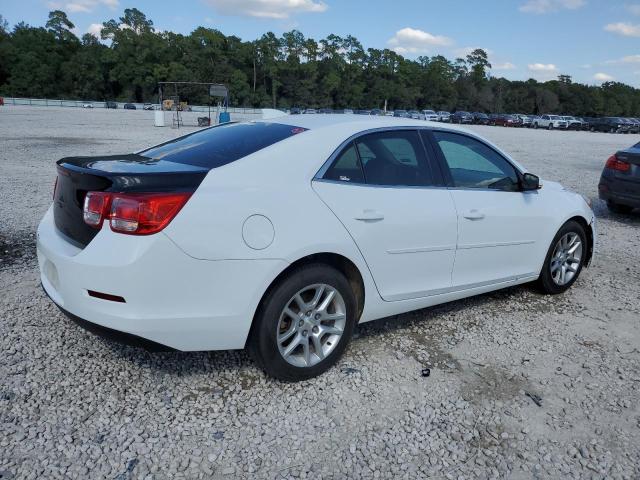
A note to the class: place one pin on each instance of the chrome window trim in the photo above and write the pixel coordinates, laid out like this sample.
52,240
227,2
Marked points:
327,164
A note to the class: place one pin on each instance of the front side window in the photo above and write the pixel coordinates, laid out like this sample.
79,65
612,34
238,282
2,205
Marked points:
475,165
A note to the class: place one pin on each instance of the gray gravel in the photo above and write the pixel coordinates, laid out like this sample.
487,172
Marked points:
76,406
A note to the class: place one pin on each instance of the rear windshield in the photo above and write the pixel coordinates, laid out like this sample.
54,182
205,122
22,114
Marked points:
217,146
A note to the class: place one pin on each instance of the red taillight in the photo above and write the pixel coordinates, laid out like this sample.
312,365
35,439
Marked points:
96,208
133,213
615,164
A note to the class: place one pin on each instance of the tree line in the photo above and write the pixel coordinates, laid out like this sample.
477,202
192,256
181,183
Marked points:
278,72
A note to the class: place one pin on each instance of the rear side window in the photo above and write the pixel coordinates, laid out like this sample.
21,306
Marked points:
347,167
394,158
217,146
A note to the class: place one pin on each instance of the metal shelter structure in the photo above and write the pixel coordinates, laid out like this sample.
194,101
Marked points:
215,90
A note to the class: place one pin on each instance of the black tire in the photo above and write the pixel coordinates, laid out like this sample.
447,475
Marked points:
618,208
535,126
263,345
550,127
546,281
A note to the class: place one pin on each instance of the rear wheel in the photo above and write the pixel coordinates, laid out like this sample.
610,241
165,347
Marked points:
304,324
535,126
550,127
565,259
618,208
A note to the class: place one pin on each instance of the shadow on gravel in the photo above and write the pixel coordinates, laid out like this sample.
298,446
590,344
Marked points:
193,363
15,250
602,212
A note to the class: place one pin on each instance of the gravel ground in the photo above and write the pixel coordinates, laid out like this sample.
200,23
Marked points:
521,386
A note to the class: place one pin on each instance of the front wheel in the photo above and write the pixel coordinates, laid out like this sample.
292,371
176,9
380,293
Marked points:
565,259
304,324
550,127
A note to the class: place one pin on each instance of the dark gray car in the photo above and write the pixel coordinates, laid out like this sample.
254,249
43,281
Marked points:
620,181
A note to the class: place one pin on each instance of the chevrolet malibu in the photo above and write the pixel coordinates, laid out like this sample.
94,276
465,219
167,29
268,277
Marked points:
280,236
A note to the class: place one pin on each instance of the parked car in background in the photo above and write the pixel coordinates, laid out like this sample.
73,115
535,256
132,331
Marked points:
295,111
620,180
310,111
608,124
635,125
110,105
444,116
196,244
533,118
586,122
401,114
525,120
87,105
416,115
347,111
550,122
573,123
462,117
362,112
480,118
503,120
430,116
148,106
129,106
632,126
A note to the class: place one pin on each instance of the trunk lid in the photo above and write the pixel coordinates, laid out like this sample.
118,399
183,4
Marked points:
115,173
632,178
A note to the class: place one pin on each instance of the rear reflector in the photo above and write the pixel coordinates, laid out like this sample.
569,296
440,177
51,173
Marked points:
133,213
106,296
615,164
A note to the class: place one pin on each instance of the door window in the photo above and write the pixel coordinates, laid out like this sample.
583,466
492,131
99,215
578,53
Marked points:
475,165
394,158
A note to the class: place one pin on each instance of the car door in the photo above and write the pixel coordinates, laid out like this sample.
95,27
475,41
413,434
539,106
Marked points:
389,196
498,225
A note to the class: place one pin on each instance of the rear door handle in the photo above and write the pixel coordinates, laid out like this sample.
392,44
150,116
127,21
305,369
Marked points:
370,216
473,215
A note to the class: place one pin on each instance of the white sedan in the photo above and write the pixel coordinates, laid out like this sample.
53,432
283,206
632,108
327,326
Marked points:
282,235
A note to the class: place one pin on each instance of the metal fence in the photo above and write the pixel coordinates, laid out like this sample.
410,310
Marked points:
46,102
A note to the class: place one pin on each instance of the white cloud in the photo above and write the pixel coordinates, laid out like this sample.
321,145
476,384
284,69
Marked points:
411,40
542,67
603,77
95,29
83,6
622,28
503,66
629,59
546,6
278,9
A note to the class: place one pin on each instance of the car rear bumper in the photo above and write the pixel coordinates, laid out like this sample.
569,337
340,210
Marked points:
170,298
617,191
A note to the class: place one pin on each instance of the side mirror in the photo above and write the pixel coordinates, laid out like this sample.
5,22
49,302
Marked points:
530,181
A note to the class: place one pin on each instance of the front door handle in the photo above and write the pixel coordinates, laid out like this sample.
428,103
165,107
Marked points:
370,216
473,215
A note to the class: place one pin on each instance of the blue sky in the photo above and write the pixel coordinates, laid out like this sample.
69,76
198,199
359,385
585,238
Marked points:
592,40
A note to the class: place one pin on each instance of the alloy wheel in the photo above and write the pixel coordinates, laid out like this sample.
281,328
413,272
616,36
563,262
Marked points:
311,325
566,258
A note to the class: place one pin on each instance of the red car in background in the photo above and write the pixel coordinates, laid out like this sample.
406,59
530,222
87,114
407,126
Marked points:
504,120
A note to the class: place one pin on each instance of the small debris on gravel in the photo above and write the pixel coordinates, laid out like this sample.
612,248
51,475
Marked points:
76,406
